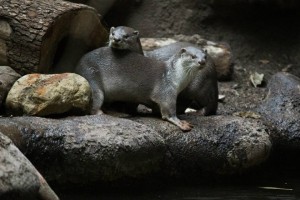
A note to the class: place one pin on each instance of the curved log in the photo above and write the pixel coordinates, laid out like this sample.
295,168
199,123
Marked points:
47,35
102,6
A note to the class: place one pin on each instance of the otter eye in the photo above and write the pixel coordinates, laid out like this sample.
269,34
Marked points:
126,36
193,56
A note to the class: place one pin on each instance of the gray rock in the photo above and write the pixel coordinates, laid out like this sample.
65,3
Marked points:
42,95
82,150
5,31
279,3
281,109
7,78
216,144
18,177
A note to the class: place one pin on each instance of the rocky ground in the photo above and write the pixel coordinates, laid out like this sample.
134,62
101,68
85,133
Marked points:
255,131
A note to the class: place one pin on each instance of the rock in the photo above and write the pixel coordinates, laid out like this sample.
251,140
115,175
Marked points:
5,31
219,52
83,150
7,78
18,177
281,109
42,95
216,144
292,69
270,4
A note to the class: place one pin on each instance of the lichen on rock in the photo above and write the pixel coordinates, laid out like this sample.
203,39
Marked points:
42,95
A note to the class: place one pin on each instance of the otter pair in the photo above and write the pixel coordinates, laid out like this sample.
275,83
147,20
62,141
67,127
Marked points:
202,92
127,76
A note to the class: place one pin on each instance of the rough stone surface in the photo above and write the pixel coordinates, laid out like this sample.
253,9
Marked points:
218,144
267,3
18,177
5,30
7,78
3,49
41,95
82,150
281,109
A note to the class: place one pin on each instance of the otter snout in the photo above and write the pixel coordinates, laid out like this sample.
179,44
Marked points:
116,39
114,42
202,62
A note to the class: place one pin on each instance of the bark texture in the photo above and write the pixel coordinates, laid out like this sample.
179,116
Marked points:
41,31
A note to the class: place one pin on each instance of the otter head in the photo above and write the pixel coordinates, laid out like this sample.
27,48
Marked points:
192,59
188,62
123,37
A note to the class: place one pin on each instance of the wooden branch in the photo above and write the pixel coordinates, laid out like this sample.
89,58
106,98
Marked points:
42,30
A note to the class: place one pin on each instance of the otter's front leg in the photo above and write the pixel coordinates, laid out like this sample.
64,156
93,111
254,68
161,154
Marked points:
168,112
97,99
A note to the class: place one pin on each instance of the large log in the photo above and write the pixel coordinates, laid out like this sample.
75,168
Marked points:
102,6
44,35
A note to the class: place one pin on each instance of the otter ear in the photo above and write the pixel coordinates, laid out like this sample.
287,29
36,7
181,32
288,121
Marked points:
112,29
136,33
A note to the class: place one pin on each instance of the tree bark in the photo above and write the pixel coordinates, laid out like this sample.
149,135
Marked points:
102,6
49,34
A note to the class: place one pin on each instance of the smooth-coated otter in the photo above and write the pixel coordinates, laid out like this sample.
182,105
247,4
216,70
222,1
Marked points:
202,92
123,37
126,76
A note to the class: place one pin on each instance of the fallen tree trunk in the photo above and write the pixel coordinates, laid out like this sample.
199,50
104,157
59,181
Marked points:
47,34
102,6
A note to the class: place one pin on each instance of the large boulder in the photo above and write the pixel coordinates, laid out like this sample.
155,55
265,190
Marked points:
83,150
42,95
8,76
281,109
216,144
18,177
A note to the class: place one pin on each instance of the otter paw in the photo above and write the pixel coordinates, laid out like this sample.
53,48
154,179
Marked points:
97,112
185,126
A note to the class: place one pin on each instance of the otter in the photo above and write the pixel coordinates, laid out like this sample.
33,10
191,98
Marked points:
202,92
126,76
123,37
